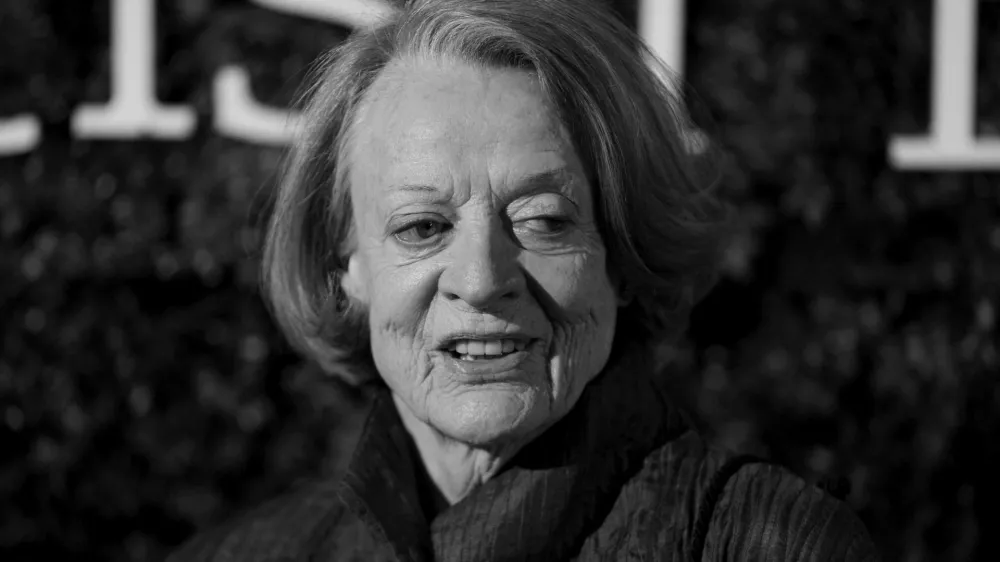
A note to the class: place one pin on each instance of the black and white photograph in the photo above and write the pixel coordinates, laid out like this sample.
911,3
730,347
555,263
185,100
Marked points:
499,280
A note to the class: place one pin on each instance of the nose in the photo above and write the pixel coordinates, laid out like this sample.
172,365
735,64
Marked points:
483,269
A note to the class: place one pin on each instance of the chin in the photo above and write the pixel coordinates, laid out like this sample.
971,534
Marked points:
490,415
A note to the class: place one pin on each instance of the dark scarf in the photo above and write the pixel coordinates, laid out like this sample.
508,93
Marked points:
543,504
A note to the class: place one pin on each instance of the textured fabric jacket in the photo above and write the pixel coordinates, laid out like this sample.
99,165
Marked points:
622,477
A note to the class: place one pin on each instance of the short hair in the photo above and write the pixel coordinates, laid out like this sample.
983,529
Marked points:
660,220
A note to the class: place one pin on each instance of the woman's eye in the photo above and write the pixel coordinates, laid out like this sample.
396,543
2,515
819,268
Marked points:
421,231
546,225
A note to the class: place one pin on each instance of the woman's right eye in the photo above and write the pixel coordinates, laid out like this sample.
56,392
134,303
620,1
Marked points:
421,231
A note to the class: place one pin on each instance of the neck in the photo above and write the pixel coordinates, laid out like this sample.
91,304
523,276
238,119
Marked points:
455,468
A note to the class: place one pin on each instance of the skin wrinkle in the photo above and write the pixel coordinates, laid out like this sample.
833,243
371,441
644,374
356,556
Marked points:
481,152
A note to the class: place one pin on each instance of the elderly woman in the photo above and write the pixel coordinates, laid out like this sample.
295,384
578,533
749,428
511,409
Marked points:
493,216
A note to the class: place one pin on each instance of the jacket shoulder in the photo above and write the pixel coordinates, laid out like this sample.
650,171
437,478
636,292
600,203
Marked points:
283,528
766,512
763,512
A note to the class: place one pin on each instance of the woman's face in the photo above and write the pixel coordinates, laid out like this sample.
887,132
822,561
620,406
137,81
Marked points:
477,252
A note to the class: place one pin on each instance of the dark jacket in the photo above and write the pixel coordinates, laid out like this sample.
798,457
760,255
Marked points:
622,477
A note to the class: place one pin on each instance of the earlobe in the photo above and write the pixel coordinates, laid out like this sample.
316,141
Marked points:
352,282
623,295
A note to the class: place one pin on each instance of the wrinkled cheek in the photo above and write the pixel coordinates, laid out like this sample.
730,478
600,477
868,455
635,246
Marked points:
581,346
399,303
581,308
398,350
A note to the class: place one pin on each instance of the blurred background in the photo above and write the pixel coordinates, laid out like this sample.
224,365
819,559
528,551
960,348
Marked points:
145,392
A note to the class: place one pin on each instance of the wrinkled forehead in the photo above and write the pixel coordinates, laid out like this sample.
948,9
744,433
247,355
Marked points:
427,118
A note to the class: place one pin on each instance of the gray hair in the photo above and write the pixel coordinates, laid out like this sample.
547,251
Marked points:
661,223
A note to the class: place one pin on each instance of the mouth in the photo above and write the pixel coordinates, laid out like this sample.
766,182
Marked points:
484,349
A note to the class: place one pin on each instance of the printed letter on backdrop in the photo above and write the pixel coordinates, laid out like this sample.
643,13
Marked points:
661,24
133,110
19,134
662,27
238,114
951,144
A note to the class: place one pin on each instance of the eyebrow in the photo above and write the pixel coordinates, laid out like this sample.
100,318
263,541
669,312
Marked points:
427,193
556,180
418,188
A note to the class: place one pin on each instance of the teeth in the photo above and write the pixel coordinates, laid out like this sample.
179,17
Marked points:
475,349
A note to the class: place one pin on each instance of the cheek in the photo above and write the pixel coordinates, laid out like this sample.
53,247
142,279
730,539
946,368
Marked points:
399,295
583,312
399,302
577,286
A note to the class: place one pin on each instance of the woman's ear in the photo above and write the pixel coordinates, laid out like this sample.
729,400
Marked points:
353,281
623,295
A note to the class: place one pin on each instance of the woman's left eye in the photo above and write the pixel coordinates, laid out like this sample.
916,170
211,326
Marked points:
421,232
546,225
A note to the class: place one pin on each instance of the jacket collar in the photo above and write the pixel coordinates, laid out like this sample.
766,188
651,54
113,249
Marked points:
543,504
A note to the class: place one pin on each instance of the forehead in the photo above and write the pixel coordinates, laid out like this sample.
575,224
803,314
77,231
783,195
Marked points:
436,118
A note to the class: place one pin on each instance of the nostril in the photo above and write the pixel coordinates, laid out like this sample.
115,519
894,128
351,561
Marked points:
482,297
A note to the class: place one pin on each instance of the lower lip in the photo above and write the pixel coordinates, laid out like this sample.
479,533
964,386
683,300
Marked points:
488,370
